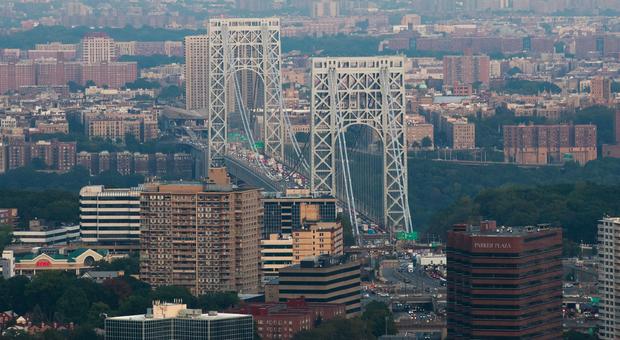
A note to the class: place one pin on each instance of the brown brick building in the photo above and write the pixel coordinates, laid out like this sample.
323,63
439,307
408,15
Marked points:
55,155
204,237
466,69
283,320
504,282
549,144
51,72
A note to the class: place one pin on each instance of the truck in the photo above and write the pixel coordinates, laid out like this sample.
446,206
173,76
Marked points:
410,267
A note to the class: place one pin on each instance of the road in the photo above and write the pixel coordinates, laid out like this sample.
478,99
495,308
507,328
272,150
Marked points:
418,279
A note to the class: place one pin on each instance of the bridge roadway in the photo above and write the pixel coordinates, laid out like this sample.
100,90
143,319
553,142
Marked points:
244,171
250,175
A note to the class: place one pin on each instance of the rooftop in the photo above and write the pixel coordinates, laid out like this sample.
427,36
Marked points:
208,316
490,229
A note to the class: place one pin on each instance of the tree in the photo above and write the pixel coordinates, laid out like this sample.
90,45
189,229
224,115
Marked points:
376,316
6,236
170,92
130,265
347,229
170,293
217,301
152,60
38,164
75,87
73,305
513,71
135,304
338,329
45,289
15,288
89,83
427,142
96,315
142,83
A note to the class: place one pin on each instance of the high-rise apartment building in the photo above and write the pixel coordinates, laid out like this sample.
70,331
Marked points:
323,279
286,213
96,48
110,218
197,72
600,90
205,237
324,8
608,282
504,282
467,69
549,144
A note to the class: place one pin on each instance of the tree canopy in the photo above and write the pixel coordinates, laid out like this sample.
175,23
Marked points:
60,296
527,87
574,206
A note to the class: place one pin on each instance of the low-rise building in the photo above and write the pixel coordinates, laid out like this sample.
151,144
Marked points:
282,320
77,261
38,235
175,321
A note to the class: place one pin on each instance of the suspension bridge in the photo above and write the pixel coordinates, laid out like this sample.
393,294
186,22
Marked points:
348,96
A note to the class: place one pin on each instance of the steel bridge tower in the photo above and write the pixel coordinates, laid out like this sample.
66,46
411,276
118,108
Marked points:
237,45
367,91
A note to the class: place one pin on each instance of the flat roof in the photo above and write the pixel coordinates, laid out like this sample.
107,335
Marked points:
503,231
219,316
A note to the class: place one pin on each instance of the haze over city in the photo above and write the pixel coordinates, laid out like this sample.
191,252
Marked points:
309,169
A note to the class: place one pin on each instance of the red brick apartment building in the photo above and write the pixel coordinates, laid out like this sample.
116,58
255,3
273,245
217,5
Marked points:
549,144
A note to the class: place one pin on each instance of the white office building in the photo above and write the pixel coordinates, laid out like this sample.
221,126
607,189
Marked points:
44,236
110,218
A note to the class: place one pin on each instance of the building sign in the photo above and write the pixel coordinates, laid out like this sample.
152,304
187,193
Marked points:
492,245
43,263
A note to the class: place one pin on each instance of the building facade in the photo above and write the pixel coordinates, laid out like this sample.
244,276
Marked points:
205,237
608,283
600,90
284,214
504,282
311,240
323,279
315,239
110,218
96,48
282,320
549,144
276,252
466,69
196,72
77,261
175,321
